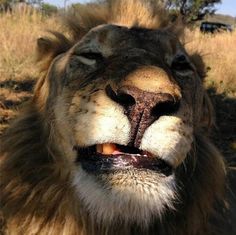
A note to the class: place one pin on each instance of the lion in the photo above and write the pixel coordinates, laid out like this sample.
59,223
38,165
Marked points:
114,139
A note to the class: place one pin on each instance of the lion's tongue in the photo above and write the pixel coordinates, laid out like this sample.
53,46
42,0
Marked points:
108,149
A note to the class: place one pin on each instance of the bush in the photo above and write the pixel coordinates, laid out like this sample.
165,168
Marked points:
49,9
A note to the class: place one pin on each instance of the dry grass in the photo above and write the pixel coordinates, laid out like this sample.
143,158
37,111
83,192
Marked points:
18,72
18,35
219,55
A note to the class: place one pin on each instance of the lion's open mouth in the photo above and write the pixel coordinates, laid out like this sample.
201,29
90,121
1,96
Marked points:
108,157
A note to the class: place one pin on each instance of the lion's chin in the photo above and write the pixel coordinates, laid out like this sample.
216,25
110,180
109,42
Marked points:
110,157
129,196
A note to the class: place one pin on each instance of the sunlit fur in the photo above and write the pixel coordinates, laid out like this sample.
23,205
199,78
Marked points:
43,191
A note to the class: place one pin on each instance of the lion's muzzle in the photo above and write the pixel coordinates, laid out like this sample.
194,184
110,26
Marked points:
143,108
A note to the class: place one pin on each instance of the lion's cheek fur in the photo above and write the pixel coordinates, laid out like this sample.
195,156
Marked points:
170,137
62,129
167,142
100,121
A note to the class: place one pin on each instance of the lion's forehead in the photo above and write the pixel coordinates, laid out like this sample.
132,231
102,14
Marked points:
114,38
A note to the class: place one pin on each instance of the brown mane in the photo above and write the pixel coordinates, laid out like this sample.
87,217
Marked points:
36,197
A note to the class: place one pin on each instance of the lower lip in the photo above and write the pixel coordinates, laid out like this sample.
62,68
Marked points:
100,164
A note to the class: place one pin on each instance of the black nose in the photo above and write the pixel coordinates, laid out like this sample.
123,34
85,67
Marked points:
142,107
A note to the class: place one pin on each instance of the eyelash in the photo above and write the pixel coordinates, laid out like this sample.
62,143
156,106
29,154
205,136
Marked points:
92,56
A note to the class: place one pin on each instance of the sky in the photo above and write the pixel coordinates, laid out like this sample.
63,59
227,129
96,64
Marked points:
227,7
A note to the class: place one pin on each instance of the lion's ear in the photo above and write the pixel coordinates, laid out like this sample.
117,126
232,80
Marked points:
44,46
50,47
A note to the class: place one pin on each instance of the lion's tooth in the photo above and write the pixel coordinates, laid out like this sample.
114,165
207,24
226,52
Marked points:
108,148
99,148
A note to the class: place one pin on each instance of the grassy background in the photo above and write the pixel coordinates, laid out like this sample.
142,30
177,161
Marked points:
18,34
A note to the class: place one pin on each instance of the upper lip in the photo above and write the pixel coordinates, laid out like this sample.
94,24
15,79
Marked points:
103,158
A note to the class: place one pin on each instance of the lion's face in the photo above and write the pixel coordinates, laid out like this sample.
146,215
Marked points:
127,103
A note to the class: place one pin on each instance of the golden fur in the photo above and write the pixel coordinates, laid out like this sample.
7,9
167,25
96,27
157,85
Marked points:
37,160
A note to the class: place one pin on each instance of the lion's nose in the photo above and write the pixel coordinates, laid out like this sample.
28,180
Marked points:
143,108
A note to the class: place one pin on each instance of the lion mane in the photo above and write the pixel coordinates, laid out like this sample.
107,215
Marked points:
36,196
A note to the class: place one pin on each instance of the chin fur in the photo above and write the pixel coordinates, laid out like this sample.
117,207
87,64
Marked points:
125,197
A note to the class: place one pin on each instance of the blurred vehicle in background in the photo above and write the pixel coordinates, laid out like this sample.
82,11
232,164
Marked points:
213,27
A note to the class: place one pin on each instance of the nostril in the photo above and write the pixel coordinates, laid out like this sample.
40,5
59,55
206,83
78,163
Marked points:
110,92
120,96
137,102
125,99
166,107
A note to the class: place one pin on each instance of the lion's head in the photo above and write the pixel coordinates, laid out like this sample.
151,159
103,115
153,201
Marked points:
116,125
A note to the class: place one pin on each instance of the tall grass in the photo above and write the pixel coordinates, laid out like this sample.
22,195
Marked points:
219,55
18,34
